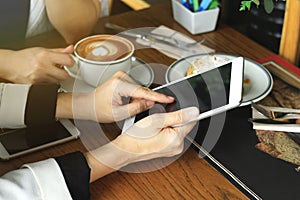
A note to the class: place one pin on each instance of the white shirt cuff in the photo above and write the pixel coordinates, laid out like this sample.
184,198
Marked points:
50,179
13,98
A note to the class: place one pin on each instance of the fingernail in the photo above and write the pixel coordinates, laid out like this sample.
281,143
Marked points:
172,98
191,112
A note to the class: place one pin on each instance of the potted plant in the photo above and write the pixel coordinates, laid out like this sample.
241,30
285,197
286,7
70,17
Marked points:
268,4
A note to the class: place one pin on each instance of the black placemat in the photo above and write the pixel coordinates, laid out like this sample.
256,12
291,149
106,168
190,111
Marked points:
268,177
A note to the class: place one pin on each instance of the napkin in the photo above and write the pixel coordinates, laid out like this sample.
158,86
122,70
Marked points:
273,127
278,140
174,52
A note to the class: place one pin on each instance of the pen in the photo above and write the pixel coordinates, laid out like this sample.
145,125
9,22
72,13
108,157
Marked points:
195,5
185,4
204,5
190,4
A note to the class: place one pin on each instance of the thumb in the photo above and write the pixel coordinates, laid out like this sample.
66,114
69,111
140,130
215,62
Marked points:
153,124
69,49
180,116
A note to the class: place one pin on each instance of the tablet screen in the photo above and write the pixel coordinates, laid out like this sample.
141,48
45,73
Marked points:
18,140
206,91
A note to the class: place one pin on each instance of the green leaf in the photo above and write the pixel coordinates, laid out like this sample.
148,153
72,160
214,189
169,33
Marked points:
269,6
242,8
257,2
245,5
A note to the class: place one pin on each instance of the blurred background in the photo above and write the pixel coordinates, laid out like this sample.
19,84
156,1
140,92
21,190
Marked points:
257,24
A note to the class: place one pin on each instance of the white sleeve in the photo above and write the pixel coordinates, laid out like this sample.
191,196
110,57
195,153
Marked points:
38,21
19,184
23,105
40,180
104,8
13,98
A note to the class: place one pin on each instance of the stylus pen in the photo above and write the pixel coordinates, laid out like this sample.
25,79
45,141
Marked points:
188,122
209,113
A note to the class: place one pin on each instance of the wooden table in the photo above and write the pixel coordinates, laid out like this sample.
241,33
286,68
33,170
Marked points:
189,177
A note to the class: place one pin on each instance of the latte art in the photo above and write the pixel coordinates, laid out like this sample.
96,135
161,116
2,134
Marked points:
103,49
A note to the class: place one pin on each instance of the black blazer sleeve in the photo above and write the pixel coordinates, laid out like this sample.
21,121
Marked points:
76,172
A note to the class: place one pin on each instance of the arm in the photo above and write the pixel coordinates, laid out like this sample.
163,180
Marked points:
106,103
35,65
38,104
69,175
150,138
73,19
24,104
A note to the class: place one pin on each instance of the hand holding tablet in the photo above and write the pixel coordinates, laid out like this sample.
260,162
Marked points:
213,92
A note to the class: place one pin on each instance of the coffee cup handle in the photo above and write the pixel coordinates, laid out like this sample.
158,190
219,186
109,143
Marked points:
75,67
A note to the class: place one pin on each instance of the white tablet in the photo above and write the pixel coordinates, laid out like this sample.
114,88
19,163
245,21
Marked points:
17,142
214,91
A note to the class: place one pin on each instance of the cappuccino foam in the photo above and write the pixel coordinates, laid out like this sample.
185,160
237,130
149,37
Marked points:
103,48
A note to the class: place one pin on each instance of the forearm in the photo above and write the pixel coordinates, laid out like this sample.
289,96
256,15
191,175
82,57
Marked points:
64,106
107,159
73,19
6,64
75,105
98,169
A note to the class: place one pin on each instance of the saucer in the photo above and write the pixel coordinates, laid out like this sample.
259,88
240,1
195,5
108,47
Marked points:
261,81
140,71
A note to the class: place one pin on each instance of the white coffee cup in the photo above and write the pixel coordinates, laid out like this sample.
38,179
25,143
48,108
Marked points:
98,57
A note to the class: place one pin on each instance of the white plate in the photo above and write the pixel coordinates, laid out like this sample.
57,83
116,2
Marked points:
141,72
261,81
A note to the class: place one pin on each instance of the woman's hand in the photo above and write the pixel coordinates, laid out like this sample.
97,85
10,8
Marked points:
35,65
151,137
154,136
107,103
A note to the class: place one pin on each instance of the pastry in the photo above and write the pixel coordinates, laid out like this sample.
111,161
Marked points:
279,145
